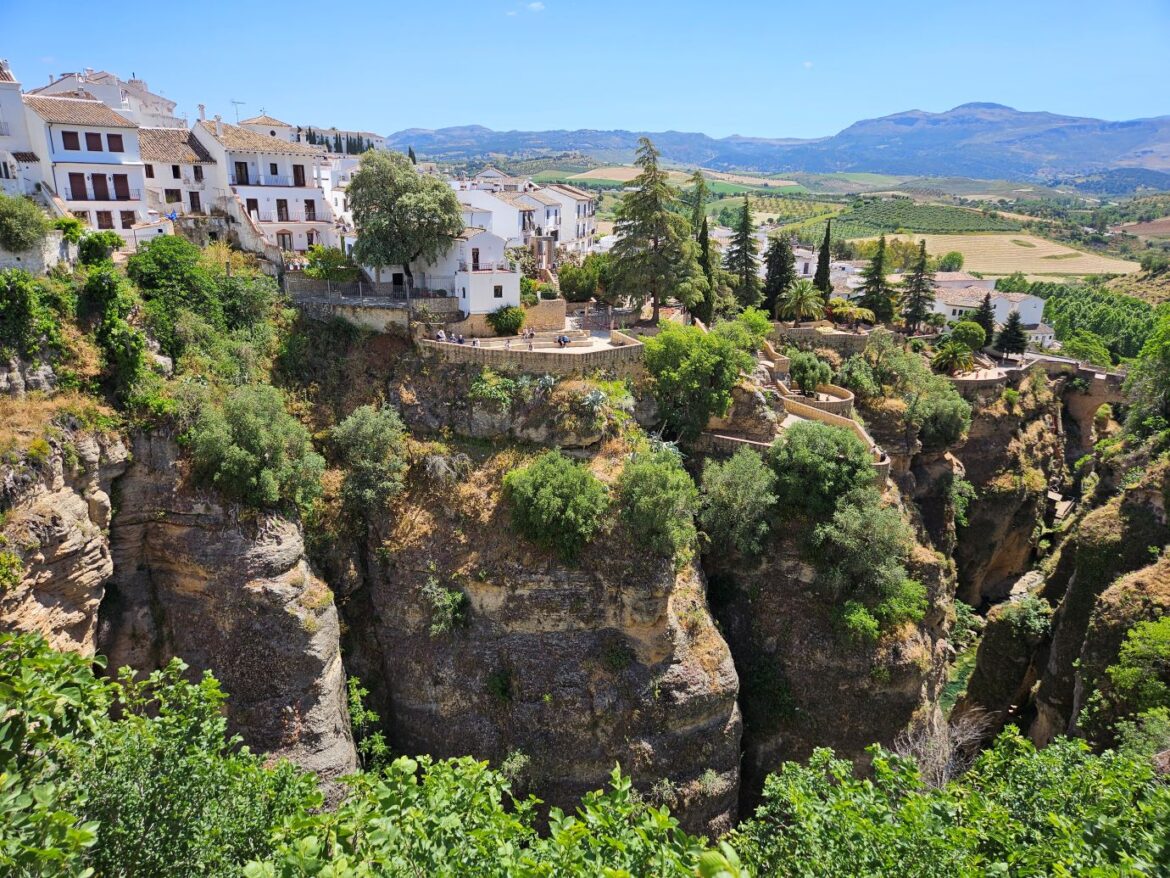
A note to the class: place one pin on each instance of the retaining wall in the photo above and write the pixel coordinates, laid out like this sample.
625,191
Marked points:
810,336
841,404
624,359
42,257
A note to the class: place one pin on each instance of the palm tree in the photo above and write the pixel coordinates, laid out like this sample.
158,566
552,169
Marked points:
802,299
849,312
952,357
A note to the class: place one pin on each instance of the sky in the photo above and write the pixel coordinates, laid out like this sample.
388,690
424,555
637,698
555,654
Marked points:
750,67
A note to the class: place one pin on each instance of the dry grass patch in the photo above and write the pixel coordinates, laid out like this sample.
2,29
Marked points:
25,420
1003,254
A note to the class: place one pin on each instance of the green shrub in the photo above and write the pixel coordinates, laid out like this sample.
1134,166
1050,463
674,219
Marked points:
25,322
370,443
556,503
331,264
23,225
97,247
658,501
1011,398
11,570
817,464
808,372
169,272
123,346
737,498
254,452
858,623
969,334
855,373
71,228
942,417
491,387
506,320
1141,674
1030,616
549,294
448,607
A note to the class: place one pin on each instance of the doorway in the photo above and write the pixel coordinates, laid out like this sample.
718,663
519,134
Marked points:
241,173
101,187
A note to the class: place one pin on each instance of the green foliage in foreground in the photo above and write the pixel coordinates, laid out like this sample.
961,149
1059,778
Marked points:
658,501
506,320
556,503
162,791
23,224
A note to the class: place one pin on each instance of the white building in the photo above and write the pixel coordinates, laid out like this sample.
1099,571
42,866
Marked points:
956,304
128,98
961,280
578,222
512,221
20,167
278,184
179,171
1040,335
89,155
269,126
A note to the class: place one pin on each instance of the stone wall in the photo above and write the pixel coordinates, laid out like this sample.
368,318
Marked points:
810,336
622,359
39,259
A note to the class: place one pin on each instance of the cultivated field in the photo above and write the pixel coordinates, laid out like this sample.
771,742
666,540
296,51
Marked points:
620,174
998,254
1159,228
748,180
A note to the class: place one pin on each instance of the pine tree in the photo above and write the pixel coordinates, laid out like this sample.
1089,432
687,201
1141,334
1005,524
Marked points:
821,278
743,259
697,198
1012,339
655,256
875,291
705,309
779,272
410,155
918,291
985,316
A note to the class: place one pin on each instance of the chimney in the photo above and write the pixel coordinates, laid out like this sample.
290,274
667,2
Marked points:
202,113
88,72
218,126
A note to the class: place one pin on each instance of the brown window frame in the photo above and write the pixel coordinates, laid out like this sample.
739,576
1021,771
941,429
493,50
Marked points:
127,218
93,141
71,140
109,219
114,143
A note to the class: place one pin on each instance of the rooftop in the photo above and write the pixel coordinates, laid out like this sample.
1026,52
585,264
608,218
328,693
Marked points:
579,194
172,146
265,119
74,111
470,232
973,296
242,140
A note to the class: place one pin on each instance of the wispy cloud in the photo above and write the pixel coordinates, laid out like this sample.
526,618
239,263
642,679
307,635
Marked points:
537,6
808,65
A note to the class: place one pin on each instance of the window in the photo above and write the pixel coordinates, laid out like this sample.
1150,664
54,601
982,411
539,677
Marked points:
497,292
114,143
284,240
150,172
282,210
310,210
198,171
172,196
127,217
70,140
272,168
196,204
4,170
82,215
175,172
93,141
105,219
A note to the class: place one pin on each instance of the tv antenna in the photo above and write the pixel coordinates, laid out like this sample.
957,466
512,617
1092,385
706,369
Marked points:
238,104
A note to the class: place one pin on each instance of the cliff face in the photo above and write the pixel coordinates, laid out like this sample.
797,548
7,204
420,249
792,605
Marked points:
577,667
56,510
233,595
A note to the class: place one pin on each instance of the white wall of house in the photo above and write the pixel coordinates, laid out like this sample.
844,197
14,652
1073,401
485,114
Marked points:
578,222
131,98
285,133
955,307
16,177
505,216
182,188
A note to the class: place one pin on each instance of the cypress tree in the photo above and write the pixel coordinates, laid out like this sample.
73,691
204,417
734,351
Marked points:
918,291
743,257
697,198
337,142
821,278
705,309
779,273
1012,339
985,316
410,155
875,291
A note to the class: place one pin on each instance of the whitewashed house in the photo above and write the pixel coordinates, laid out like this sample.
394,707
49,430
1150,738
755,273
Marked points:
20,167
270,126
512,221
277,183
578,222
130,98
957,304
90,157
179,171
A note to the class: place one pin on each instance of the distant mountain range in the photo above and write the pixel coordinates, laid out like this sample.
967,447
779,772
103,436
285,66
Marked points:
973,140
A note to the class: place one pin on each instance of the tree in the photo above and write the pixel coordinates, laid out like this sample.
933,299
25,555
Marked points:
742,258
1015,282
737,497
25,321
953,356
779,273
951,261
849,311
1148,383
331,264
371,444
654,256
876,294
697,198
918,291
96,247
401,216
410,155
1088,347
1012,339
692,374
985,316
704,309
658,501
969,334
169,272
808,372
556,503
802,299
23,225
815,465
821,278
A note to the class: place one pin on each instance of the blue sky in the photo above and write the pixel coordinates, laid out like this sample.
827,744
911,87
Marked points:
774,69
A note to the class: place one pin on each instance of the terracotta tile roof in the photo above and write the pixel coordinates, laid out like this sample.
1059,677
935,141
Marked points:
471,232
242,140
176,146
71,111
265,119
572,191
25,156
513,198
547,200
6,73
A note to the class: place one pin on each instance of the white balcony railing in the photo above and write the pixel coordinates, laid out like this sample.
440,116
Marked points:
485,266
290,216
272,180
84,195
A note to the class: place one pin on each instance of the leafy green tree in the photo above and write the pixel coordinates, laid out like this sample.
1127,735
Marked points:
918,291
655,256
815,465
737,498
952,260
876,294
969,334
849,311
1086,346
779,273
169,273
692,374
331,264
1148,383
1013,283
556,503
821,277
254,452
938,413
506,320
371,445
23,224
1141,674
808,372
953,356
985,316
96,247
1012,339
802,299
742,258
401,216
25,321
658,501
696,199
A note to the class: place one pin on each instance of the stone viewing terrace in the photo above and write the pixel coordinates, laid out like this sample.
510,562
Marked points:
585,352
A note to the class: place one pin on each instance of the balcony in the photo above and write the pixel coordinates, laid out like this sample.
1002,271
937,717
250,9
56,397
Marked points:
273,180
84,195
486,266
290,216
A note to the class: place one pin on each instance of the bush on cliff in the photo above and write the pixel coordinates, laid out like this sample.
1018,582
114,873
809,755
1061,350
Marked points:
737,499
23,225
506,320
816,465
556,503
658,501
370,443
